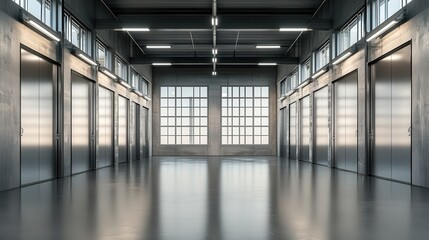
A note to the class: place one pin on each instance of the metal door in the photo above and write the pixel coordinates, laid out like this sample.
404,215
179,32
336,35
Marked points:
105,127
391,82
321,126
345,119
134,131
304,129
281,133
123,129
292,130
145,132
38,78
82,127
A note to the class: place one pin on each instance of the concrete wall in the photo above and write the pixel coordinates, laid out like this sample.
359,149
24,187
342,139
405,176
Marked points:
256,76
14,35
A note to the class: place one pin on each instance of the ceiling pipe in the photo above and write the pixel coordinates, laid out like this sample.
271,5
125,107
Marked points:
214,27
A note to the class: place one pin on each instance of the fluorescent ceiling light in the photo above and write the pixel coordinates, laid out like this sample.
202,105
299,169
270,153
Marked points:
125,84
319,73
159,46
267,46
282,98
214,73
293,29
215,21
86,59
43,30
214,51
136,29
161,64
342,58
214,60
382,30
267,64
108,73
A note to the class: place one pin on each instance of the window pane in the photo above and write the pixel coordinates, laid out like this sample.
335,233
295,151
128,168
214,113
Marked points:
243,103
182,106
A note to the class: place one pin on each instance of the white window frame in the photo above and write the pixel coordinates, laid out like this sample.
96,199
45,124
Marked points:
306,70
83,35
323,56
344,40
45,15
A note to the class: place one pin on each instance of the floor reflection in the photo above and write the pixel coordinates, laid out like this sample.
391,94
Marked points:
215,198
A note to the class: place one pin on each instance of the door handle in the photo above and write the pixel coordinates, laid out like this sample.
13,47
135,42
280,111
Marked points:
22,132
409,131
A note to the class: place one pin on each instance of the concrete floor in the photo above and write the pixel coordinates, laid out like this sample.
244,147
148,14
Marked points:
253,198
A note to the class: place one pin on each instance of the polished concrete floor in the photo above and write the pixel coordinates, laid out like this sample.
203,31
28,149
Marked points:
253,198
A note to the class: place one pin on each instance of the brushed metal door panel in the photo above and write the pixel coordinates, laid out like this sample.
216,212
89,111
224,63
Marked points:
304,131
401,115
345,114
145,124
382,155
340,124
123,129
29,118
134,131
81,124
321,126
281,133
47,166
105,128
292,131
351,113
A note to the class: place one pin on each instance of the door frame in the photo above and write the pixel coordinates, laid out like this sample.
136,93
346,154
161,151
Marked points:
92,123
334,123
56,109
371,128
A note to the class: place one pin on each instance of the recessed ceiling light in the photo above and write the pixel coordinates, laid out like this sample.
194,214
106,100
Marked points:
268,46
215,21
161,64
136,29
214,60
214,73
159,46
214,51
293,29
267,64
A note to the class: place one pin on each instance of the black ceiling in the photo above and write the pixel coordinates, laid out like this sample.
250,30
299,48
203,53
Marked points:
186,27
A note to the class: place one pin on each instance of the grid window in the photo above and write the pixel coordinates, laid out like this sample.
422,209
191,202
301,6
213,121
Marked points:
76,33
41,9
145,86
294,80
245,115
103,57
135,80
350,34
283,88
386,8
322,56
184,112
121,69
305,70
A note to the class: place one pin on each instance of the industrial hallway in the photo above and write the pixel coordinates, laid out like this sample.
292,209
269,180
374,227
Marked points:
230,198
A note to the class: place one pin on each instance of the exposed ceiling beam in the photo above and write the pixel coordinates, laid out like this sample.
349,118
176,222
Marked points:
208,60
191,22
223,11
